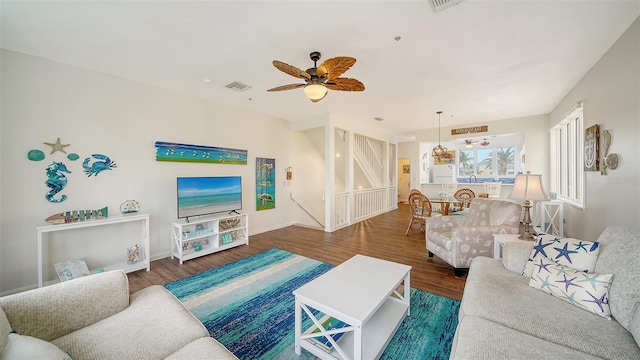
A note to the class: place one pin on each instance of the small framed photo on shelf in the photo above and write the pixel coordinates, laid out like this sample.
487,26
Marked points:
227,238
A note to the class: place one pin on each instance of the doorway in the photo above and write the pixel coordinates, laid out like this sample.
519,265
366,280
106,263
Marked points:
404,179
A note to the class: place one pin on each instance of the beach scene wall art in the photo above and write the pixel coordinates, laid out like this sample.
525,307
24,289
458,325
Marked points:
167,151
265,184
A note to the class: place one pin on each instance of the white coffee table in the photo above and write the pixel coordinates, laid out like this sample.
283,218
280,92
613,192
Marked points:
371,295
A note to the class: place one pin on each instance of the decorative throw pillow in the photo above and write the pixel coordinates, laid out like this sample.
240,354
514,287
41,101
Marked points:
577,254
26,347
586,291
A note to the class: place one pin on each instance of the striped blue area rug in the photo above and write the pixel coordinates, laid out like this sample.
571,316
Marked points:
248,306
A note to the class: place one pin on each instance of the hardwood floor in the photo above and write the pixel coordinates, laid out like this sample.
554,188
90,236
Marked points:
382,237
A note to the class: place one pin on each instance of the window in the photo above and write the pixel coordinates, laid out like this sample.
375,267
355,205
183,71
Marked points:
567,142
494,162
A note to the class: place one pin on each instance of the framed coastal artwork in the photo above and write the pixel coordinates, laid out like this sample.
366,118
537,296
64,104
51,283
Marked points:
448,158
265,184
591,148
166,151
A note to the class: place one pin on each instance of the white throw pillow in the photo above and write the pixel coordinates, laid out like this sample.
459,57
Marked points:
28,348
577,254
587,291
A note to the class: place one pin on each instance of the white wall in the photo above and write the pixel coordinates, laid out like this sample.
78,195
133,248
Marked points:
410,150
98,113
610,92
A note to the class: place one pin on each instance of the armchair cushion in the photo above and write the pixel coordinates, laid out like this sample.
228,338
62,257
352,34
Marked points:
486,212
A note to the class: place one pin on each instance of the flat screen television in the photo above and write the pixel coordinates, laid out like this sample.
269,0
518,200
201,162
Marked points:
208,195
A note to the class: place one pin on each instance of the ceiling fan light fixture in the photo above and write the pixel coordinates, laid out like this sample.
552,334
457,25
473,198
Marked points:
469,146
315,91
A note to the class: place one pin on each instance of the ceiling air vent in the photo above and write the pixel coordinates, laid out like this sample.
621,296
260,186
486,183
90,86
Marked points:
439,5
239,87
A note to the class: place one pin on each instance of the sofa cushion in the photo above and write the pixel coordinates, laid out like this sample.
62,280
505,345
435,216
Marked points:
42,313
202,349
154,326
620,256
585,290
577,254
22,347
478,338
5,329
496,294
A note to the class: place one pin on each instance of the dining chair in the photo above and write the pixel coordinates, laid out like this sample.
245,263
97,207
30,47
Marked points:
450,188
464,197
493,189
420,208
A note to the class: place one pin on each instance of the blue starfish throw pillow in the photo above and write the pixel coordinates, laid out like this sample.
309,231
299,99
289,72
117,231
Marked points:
577,254
587,291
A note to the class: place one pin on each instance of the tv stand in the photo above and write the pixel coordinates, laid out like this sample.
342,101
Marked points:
207,235
233,212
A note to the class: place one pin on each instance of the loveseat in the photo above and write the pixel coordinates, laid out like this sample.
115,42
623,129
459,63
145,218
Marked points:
458,239
94,317
502,317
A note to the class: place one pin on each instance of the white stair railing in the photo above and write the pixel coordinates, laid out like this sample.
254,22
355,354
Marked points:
367,158
368,203
340,213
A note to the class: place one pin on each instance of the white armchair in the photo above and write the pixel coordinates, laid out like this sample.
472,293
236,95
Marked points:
458,239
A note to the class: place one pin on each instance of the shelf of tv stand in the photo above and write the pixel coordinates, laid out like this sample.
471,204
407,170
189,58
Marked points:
182,244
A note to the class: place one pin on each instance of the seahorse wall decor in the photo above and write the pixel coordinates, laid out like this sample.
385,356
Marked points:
56,181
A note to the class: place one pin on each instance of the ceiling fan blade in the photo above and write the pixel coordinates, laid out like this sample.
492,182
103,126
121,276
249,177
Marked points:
334,67
345,84
291,70
287,87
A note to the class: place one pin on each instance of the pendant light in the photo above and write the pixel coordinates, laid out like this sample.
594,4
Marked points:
439,151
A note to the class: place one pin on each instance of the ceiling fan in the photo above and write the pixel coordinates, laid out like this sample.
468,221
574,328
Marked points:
469,143
320,78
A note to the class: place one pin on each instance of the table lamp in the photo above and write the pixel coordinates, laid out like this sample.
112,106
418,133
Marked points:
528,187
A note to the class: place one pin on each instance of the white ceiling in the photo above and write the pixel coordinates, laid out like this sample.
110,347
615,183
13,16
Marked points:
477,61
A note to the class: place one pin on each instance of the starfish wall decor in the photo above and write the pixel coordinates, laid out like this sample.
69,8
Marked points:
57,146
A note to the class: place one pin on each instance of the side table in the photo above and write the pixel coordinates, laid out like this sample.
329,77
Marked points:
500,239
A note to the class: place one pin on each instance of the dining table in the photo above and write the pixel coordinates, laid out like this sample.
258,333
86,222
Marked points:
445,204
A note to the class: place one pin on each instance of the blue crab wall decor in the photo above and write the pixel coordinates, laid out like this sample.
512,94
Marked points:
56,181
98,166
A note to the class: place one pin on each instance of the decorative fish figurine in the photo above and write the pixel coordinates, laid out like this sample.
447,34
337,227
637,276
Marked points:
77,215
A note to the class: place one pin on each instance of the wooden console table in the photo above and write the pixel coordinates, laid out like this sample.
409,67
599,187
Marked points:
142,218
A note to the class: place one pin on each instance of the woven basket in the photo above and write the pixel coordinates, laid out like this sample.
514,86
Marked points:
229,223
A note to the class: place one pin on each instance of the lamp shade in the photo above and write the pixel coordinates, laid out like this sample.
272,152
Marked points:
528,187
315,91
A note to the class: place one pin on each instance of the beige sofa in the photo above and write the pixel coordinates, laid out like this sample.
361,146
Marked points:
94,317
502,317
457,239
